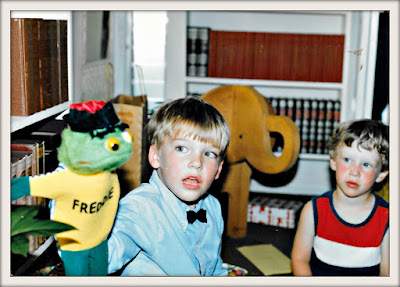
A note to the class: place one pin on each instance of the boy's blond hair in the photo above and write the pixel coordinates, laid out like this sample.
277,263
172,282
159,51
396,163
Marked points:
189,117
370,134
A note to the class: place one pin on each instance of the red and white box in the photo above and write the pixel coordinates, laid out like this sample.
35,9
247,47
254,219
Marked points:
273,211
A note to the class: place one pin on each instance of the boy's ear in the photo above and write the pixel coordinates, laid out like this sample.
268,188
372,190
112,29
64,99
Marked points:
382,175
332,163
219,170
153,157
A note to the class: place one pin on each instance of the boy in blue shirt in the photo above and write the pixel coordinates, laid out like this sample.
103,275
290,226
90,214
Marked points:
157,231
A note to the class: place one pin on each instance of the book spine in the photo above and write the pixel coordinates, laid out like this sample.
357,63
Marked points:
290,109
191,51
22,68
328,124
305,126
336,115
54,80
320,127
35,65
299,115
274,105
212,54
260,56
63,60
313,126
202,56
45,64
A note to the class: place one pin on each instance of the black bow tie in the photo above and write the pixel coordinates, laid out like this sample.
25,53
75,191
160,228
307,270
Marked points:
200,216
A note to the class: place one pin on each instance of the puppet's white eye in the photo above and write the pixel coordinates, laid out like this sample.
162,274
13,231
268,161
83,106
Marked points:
127,136
112,144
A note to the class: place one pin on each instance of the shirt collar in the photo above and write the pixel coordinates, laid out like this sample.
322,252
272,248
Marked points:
176,205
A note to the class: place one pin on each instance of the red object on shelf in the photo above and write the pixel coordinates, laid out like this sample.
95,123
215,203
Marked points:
276,56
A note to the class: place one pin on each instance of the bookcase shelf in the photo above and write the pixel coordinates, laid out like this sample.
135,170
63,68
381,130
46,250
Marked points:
264,83
20,122
311,174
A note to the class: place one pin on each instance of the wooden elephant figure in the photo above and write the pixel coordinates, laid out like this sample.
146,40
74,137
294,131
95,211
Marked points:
250,119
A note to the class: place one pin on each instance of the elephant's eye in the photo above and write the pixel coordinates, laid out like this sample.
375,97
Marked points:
112,144
127,136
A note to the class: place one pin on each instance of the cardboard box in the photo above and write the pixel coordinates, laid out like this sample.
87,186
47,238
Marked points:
274,211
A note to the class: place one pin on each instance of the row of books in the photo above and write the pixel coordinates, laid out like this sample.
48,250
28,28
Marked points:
35,153
315,119
28,159
39,68
269,56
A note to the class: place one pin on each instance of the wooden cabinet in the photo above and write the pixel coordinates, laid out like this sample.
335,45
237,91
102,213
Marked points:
19,122
311,175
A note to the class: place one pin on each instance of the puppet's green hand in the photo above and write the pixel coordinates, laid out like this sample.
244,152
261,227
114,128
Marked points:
23,223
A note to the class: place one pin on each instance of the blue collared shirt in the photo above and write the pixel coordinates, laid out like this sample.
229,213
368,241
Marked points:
151,228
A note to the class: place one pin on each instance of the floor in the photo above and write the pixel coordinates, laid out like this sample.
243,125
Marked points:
281,238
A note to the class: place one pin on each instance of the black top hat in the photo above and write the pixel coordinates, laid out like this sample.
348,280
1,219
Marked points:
84,121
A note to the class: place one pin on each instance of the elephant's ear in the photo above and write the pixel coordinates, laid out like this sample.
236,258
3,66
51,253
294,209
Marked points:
247,113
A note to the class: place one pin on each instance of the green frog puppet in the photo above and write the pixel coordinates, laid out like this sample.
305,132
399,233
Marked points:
84,188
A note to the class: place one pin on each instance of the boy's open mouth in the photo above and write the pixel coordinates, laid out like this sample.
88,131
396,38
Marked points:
191,182
352,184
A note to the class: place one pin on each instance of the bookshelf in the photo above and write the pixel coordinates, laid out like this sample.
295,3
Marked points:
20,122
311,175
22,126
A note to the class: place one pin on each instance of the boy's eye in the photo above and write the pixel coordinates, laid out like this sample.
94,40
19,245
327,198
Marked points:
346,159
366,164
211,154
180,148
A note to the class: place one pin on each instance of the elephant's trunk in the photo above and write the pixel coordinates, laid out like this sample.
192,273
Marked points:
260,155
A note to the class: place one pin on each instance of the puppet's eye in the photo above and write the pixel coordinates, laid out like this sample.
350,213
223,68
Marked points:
112,144
127,136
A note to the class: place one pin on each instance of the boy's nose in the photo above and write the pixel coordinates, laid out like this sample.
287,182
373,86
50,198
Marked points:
355,170
195,162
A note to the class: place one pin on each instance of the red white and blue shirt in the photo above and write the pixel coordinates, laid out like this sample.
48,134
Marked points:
345,249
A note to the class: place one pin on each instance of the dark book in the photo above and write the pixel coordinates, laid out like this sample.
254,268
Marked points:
336,114
62,46
202,50
191,56
290,109
274,104
35,63
282,107
305,126
298,114
24,101
53,67
328,124
313,126
44,65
